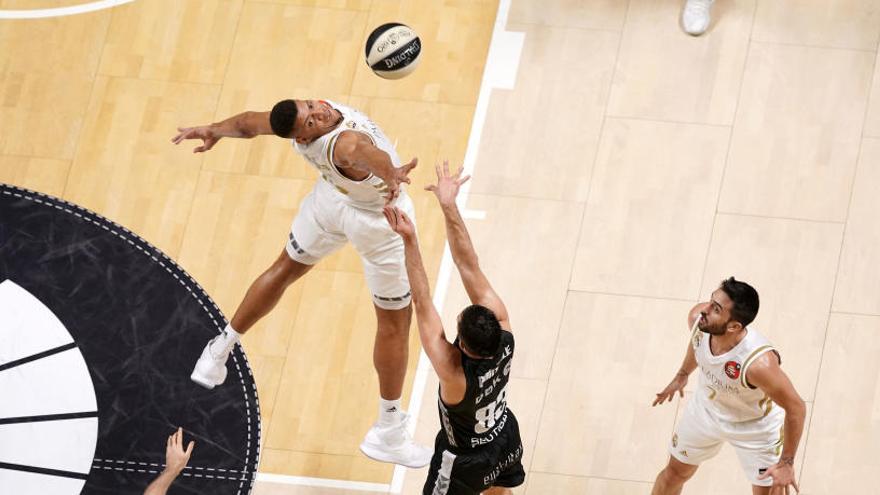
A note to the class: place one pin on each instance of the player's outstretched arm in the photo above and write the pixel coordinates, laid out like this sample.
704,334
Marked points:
476,284
356,150
766,374
244,125
443,355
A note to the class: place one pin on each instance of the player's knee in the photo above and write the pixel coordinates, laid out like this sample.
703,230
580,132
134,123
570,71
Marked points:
678,472
286,270
393,303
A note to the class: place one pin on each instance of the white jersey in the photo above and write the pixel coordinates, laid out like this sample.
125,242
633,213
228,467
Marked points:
723,388
368,193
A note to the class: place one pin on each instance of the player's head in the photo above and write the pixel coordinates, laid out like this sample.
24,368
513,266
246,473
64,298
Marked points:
302,120
479,333
732,307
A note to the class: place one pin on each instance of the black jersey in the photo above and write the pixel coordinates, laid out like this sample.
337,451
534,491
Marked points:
482,414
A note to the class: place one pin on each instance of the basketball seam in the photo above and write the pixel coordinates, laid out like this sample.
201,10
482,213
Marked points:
97,219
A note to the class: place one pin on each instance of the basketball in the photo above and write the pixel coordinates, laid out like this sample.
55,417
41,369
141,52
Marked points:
393,50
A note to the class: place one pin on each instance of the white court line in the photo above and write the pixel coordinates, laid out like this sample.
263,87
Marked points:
502,64
362,486
61,11
473,214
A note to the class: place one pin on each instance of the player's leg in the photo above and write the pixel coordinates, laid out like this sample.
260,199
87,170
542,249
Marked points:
671,480
696,439
265,292
758,445
391,350
307,243
381,251
498,490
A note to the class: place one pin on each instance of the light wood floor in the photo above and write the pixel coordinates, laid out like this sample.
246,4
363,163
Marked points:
628,171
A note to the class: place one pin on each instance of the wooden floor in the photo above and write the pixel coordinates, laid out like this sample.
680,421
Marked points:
628,171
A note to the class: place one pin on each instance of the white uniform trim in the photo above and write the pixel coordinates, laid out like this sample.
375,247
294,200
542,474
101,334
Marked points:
444,476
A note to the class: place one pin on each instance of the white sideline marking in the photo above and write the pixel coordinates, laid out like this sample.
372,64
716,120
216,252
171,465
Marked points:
473,214
323,483
502,64
61,11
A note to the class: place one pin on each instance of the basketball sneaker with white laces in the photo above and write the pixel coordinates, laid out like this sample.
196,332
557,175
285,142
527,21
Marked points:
210,369
393,443
695,17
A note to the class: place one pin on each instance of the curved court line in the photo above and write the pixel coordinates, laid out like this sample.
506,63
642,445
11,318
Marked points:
61,11
170,266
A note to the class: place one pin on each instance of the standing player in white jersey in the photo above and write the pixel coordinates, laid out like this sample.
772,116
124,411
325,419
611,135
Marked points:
743,398
478,450
360,173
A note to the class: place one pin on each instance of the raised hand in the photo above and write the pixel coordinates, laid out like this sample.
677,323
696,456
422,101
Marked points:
399,222
205,133
401,175
175,457
447,186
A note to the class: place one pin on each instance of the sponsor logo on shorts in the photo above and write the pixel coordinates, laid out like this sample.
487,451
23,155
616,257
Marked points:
731,368
683,453
762,470
675,440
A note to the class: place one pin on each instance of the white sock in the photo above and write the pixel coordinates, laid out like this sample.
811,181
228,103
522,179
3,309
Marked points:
389,411
228,338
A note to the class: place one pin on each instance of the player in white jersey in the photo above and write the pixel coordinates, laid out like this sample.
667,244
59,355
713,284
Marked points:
743,397
360,174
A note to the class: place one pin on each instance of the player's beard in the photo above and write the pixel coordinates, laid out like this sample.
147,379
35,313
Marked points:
718,329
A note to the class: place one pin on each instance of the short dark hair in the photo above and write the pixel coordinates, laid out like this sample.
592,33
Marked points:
479,330
283,117
745,300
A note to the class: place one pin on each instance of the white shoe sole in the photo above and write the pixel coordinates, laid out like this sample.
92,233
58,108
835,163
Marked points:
201,381
382,456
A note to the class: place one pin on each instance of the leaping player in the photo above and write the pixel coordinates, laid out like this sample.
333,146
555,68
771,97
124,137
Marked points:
743,398
478,449
360,173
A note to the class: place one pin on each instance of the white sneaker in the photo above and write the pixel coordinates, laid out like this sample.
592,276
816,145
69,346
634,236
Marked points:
210,369
394,444
695,16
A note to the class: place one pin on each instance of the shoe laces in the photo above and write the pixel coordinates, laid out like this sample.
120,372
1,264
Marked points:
401,428
225,351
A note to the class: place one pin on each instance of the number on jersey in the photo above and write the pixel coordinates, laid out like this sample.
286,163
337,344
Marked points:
487,416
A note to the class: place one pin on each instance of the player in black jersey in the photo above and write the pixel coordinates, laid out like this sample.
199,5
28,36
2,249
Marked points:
478,449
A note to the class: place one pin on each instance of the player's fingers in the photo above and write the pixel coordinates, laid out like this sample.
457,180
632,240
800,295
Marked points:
463,179
446,168
189,448
795,485
438,171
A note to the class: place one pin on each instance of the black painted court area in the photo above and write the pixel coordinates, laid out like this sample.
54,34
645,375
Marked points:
140,323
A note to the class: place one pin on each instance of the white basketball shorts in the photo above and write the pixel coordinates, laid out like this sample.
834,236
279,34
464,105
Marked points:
698,436
326,221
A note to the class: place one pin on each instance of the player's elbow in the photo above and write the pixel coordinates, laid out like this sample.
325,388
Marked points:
796,407
243,125
468,264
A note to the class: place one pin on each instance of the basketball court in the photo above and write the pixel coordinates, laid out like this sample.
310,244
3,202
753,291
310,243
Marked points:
621,169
